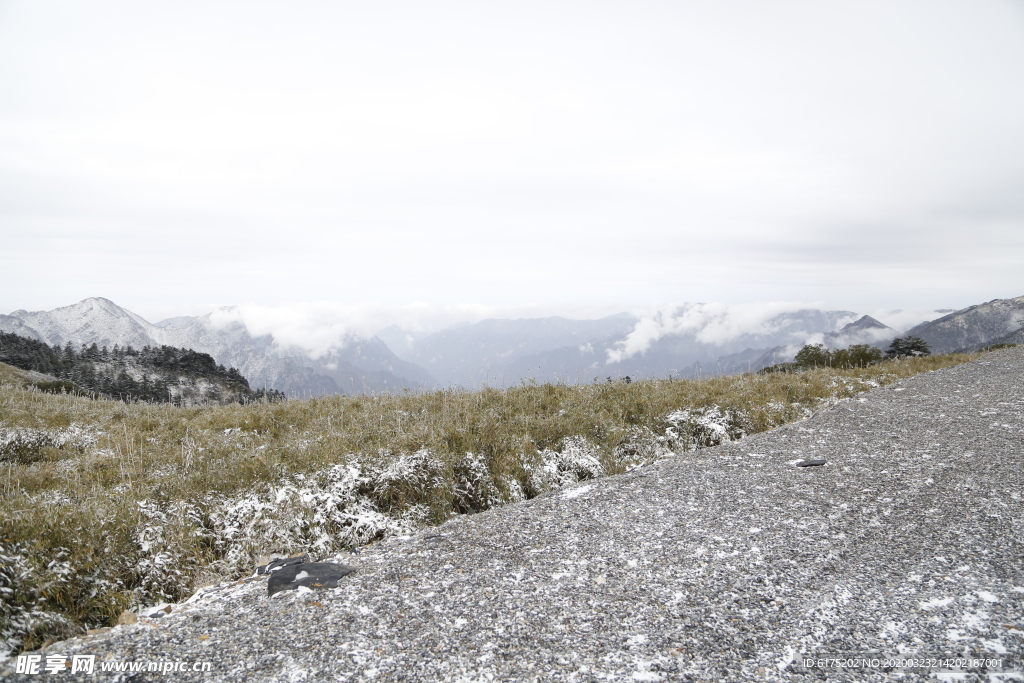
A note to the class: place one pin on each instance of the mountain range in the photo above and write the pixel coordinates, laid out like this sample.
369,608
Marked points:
1000,321
685,341
357,366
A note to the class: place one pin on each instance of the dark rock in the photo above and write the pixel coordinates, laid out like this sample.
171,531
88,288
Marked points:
309,574
810,463
277,565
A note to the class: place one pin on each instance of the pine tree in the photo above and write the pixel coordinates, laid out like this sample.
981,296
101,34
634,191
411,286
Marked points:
903,347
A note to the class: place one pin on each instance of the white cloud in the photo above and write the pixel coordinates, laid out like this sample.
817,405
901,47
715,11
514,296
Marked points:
902,320
318,327
710,323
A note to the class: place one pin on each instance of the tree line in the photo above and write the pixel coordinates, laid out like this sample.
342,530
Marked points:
855,356
156,377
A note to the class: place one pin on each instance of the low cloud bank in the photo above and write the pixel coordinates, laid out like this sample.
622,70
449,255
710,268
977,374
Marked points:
710,323
318,327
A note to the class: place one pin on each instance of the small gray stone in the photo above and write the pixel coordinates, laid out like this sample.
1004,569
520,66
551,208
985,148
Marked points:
309,574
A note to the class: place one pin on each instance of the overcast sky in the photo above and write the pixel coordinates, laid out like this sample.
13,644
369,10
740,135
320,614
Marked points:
574,157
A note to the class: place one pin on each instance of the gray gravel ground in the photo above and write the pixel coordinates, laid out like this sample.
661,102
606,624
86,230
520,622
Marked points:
724,564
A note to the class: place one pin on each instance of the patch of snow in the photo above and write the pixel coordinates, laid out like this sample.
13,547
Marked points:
786,659
576,493
995,645
975,620
936,603
891,629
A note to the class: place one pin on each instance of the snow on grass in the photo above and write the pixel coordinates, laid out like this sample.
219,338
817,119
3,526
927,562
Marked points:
22,597
25,444
320,513
578,460
705,427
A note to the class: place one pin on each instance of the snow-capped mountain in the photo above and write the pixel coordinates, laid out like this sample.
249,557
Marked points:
355,366
91,320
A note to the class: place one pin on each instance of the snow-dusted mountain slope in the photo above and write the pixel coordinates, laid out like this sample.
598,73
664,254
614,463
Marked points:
996,321
357,365
91,320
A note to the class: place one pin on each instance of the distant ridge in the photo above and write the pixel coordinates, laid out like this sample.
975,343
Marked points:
161,374
993,322
687,340
500,352
357,366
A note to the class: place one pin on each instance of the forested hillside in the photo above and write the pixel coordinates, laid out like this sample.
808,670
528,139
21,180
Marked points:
160,374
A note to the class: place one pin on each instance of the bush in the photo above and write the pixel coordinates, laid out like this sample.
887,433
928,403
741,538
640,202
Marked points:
857,356
779,367
819,356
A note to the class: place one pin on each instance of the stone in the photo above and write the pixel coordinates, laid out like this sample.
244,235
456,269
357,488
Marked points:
309,575
810,463
276,565
156,612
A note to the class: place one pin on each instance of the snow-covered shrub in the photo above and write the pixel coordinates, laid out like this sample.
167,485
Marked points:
513,490
167,562
474,487
24,444
412,479
641,446
22,597
703,427
323,513
575,462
